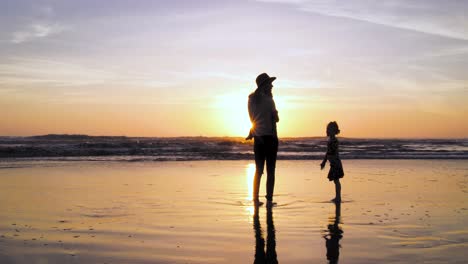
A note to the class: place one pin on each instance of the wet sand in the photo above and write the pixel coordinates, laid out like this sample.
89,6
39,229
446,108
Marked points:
394,211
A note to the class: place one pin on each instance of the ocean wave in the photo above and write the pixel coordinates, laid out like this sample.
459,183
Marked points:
82,147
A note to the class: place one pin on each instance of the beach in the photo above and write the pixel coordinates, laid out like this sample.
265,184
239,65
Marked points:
393,211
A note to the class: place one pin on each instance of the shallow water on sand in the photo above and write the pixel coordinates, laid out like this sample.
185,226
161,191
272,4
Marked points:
399,211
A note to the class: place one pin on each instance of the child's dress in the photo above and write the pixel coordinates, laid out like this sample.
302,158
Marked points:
336,168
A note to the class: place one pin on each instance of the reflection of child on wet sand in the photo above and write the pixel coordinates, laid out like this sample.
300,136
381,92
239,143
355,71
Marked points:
332,239
333,244
332,155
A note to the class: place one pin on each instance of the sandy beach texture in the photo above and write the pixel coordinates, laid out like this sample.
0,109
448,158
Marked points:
394,211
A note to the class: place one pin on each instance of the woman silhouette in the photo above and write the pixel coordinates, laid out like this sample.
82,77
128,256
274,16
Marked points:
264,116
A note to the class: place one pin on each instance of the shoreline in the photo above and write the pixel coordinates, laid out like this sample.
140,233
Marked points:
201,212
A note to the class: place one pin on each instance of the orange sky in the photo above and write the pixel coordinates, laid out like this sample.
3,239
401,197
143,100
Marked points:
166,68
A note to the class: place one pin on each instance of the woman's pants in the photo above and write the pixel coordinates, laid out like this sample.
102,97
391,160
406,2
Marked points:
265,149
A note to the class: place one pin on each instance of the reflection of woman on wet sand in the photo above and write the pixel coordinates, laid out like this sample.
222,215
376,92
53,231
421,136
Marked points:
261,256
333,236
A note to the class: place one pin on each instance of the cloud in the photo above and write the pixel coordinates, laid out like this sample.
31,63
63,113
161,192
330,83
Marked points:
34,71
60,73
36,31
441,18
46,11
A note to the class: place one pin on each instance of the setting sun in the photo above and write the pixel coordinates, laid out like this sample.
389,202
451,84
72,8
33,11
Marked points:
233,114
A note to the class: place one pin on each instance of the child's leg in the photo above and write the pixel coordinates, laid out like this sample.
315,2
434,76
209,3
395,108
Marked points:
337,190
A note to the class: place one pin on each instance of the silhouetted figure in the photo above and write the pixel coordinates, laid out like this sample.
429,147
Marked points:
336,168
264,116
332,238
261,256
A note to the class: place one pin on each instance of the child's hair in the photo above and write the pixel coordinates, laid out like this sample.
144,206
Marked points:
333,127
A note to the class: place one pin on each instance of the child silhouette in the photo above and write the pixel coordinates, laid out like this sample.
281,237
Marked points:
332,155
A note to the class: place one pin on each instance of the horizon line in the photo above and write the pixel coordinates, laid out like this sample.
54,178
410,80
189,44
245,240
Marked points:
236,137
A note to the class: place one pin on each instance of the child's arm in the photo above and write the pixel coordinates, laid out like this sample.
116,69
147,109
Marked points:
322,165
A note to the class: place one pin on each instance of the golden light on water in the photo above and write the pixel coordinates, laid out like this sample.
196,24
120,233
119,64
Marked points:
249,176
249,173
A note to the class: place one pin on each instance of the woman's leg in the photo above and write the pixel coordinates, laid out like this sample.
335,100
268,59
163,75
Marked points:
259,151
272,150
